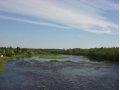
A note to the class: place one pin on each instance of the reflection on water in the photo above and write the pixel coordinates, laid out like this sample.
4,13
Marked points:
67,58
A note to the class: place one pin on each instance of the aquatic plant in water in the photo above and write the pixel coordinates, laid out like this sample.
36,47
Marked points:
1,68
54,60
33,60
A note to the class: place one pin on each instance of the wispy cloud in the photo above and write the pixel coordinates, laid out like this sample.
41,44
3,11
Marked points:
33,22
81,14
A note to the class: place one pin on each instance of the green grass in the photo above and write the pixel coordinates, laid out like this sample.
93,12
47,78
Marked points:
18,55
54,60
1,68
4,59
21,55
33,60
7,58
51,56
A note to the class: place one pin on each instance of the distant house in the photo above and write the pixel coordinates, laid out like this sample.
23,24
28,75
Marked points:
1,55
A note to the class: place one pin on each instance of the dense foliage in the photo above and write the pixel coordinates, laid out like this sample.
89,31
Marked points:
101,54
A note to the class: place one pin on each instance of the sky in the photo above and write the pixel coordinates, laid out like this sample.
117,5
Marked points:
59,23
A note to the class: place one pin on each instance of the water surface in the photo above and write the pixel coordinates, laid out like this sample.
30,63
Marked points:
71,73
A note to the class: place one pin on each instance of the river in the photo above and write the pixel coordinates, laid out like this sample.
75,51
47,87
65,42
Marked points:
70,73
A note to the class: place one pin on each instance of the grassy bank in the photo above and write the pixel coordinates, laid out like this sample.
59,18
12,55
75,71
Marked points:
4,59
7,58
110,54
97,54
1,68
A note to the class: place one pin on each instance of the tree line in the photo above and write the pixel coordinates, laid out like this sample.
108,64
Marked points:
100,54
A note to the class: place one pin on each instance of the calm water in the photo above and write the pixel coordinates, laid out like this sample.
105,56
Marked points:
80,74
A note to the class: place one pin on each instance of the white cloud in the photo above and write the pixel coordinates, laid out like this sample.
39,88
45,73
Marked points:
33,22
80,14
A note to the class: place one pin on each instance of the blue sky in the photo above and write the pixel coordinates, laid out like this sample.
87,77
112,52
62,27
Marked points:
59,23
